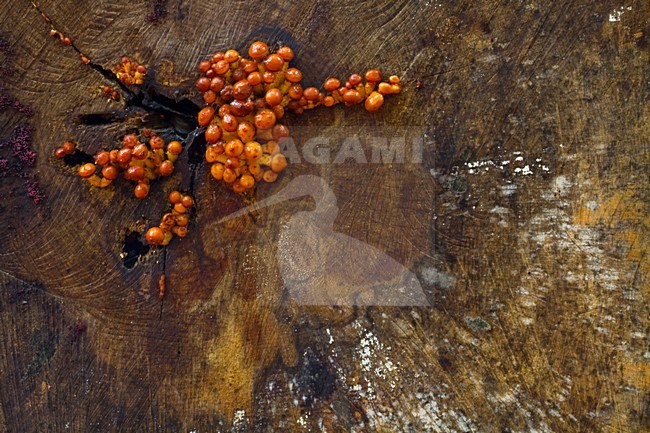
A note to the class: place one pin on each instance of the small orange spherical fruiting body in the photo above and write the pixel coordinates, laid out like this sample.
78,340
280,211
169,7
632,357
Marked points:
254,78
102,157
274,62
247,181
86,170
174,147
216,170
252,150
179,208
385,88
232,163
270,176
231,56
286,53
229,175
264,119
273,96
246,131
278,163
293,75
268,77
124,155
221,67
295,91
310,93
280,131
234,147
217,84
130,140
213,133
374,101
373,76
229,122
166,168
140,151
181,220
141,190
203,84
355,79
135,172
156,142
205,116
212,153
187,201
204,66
242,89
331,84
209,97
180,231
110,172
175,197
155,236
238,74
352,97
68,147
258,50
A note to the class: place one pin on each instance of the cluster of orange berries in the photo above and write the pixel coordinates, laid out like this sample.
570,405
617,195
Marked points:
66,149
246,97
63,38
141,159
110,92
130,72
172,223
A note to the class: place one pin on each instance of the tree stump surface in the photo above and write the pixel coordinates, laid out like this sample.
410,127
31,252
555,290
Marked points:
526,223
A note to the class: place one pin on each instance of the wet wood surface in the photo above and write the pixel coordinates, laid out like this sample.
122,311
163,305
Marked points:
526,223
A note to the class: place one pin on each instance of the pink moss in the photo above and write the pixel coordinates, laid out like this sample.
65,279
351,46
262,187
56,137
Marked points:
34,191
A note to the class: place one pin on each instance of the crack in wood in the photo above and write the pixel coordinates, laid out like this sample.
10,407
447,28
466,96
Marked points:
180,115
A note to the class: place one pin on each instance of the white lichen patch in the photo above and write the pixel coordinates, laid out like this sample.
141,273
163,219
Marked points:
615,15
239,418
434,277
516,163
391,402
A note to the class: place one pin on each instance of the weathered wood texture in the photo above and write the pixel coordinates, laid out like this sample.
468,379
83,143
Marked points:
526,222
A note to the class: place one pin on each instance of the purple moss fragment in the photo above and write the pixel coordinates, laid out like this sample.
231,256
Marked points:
21,159
20,144
159,11
34,191
8,101
18,157
4,46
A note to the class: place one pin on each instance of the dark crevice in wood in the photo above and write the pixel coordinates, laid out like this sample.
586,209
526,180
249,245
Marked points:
133,249
182,113
77,158
96,119
195,144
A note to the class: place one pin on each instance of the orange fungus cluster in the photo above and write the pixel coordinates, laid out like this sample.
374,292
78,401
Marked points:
173,223
141,159
130,72
247,97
